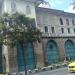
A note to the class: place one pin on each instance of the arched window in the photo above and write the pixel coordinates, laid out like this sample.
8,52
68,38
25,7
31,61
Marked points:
68,29
74,30
52,52
28,59
61,21
46,29
73,22
28,10
67,21
69,50
62,30
13,6
53,29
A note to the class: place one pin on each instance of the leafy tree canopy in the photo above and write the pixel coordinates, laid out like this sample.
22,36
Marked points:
18,28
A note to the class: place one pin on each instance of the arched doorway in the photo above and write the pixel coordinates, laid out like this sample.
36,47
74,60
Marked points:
1,63
69,50
52,52
28,59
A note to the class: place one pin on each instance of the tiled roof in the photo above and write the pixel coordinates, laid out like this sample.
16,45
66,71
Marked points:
55,12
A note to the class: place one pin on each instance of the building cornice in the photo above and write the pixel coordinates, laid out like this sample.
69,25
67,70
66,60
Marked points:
55,12
34,1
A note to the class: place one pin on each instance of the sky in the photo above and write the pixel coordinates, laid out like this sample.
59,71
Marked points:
65,5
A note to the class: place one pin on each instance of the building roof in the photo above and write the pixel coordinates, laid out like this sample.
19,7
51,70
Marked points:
55,12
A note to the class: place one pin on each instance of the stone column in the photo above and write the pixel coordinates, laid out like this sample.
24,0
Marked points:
60,42
12,55
39,55
5,58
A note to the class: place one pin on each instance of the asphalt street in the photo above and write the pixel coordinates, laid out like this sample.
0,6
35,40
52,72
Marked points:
61,71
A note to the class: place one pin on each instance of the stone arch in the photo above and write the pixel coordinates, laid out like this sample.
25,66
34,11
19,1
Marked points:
69,49
52,52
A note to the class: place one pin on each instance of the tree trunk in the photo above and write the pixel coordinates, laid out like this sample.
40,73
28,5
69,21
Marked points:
24,59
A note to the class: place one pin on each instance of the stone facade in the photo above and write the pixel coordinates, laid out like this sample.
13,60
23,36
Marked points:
54,38
48,21
61,44
26,7
51,18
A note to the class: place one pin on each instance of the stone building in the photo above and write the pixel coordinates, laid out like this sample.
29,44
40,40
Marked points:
58,37
11,60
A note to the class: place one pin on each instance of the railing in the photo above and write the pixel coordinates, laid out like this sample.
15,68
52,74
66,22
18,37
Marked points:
56,35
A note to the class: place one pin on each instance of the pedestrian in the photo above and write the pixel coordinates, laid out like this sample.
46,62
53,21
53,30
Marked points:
29,72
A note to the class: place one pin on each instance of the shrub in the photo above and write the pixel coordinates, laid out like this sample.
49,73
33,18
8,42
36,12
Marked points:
9,73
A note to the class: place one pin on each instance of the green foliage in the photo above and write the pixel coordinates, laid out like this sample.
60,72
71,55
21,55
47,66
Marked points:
18,28
9,73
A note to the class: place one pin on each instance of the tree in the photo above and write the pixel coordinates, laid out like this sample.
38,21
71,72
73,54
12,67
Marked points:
73,3
18,28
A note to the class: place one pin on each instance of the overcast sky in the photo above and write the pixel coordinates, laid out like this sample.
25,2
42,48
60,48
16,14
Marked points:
65,5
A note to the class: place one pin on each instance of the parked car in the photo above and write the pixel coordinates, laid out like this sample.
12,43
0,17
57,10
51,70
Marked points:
71,67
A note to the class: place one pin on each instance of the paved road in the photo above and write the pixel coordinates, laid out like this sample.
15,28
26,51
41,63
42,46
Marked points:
62,71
